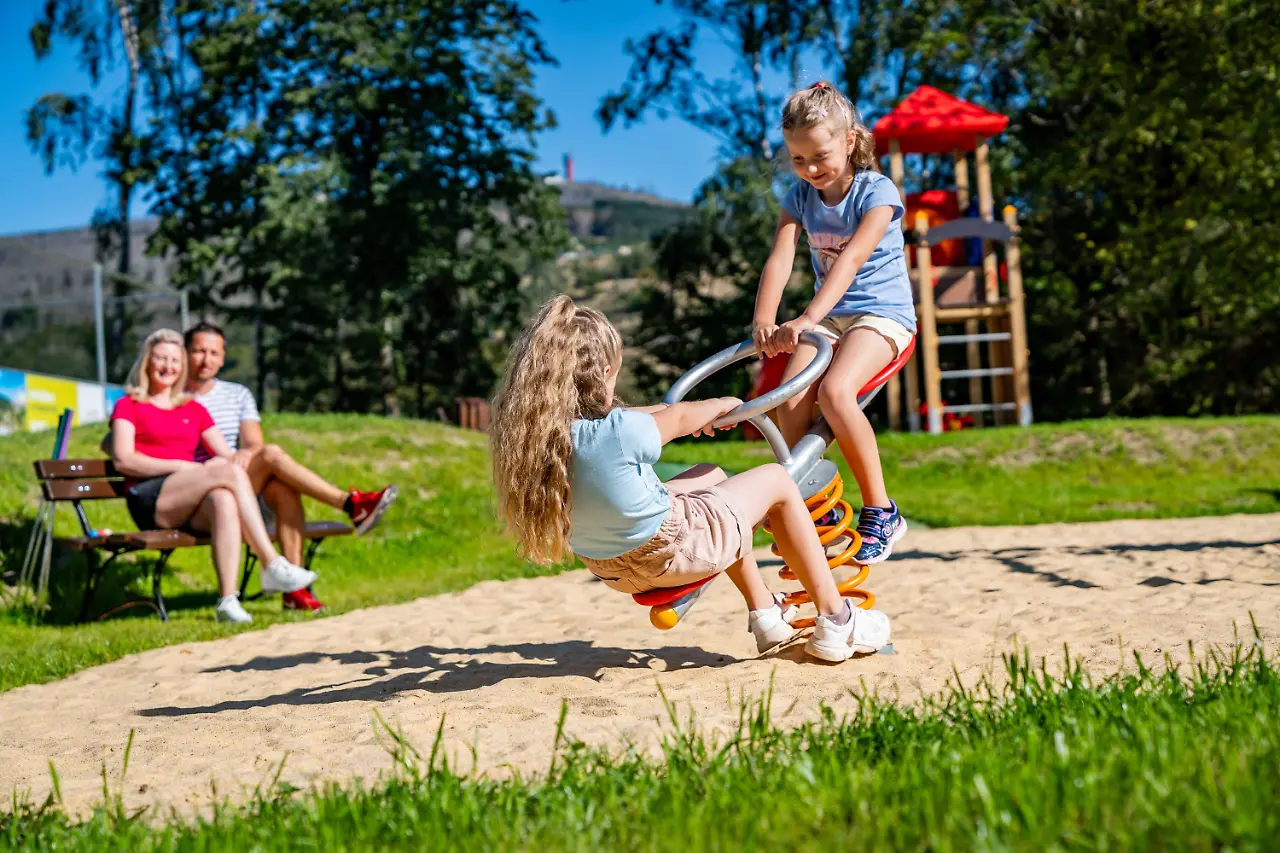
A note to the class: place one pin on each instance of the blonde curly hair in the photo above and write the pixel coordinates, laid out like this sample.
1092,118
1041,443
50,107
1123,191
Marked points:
823,104
555,374
138,383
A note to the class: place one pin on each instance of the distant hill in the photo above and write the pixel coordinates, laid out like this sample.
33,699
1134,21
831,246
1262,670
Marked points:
616,216
44,266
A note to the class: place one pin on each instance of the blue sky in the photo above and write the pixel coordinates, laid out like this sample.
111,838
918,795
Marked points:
669,157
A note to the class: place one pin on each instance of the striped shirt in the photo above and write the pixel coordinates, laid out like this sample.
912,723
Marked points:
230,404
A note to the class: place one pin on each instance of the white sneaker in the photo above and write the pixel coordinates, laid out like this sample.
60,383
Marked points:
230,610
866,631
770,626
282,576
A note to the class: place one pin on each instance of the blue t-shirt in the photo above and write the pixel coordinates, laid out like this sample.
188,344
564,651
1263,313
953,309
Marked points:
618,501
881,287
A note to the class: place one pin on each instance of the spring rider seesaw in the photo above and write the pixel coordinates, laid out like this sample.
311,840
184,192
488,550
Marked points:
818,478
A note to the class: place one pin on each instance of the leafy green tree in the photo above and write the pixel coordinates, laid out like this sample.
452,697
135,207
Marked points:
375,196
67,129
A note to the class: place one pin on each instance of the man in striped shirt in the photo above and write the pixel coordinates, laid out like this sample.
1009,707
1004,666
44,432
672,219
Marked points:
278,478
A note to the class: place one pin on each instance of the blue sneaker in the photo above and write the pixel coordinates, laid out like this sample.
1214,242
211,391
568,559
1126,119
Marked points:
880,528
831,519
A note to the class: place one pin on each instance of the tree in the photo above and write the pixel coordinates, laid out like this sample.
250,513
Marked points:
377,196
65,129
1143,159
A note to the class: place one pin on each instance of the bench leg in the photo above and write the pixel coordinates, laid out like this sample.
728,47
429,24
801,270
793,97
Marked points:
156,596
96,568
246,572
312,547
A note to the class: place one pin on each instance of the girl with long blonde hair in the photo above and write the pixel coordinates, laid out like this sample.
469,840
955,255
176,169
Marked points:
573,471
851,215
155,432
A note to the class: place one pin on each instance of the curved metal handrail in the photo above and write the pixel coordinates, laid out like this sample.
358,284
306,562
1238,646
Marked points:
754,410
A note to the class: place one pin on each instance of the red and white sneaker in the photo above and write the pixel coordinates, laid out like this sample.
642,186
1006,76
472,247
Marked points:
367,507
301,600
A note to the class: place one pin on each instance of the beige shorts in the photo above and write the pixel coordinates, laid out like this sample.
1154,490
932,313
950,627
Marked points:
700,537
892,331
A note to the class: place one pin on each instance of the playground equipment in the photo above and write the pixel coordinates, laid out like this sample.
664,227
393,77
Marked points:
930,121
818,478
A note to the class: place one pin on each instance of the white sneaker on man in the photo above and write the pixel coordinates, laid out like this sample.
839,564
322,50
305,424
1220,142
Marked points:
282,576
770,625
866,631
230,610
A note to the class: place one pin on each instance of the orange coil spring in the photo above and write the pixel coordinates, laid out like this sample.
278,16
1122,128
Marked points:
819,505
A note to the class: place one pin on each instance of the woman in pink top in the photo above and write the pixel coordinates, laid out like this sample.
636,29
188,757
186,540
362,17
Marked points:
155,432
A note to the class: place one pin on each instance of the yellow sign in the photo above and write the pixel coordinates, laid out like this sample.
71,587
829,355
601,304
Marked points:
46,399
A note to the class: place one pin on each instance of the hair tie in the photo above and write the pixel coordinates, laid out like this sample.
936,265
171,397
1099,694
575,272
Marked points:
820,85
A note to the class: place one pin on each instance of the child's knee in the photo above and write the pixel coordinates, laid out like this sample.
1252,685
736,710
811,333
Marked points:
838,396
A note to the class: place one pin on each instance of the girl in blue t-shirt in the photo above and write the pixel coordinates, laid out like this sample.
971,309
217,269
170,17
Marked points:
573,471
851,215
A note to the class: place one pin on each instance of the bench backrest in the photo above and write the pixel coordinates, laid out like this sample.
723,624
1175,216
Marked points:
79,479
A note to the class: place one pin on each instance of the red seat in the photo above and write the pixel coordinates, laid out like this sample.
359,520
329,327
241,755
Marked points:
666,595
890,369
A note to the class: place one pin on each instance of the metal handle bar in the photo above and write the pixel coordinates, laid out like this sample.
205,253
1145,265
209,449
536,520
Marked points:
754,410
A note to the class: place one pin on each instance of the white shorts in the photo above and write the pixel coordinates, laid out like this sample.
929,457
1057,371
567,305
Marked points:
891,330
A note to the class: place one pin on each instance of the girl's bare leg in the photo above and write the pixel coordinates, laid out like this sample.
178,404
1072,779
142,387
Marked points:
769,491
862,354
218,515
795,416
745,574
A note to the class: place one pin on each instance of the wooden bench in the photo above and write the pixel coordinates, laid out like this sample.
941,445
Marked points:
76,480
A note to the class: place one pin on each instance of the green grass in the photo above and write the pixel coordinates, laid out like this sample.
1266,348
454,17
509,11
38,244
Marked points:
1080,471
442,536
1030,761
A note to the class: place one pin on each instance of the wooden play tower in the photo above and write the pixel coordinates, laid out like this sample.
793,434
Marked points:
956,255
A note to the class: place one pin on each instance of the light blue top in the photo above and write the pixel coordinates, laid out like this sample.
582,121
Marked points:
881,287
618,501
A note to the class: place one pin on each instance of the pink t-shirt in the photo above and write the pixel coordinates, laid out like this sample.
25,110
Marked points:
164,433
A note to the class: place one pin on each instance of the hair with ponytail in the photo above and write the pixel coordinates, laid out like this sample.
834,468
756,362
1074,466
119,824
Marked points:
822,104
555,374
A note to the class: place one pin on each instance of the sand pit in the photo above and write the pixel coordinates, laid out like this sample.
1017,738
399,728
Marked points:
498,658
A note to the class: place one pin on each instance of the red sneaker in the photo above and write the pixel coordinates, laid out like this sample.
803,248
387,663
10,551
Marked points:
367,507
301,600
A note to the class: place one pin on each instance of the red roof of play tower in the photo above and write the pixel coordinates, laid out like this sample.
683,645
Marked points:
930,121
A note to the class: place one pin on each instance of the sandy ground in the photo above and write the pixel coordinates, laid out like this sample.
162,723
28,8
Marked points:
498,658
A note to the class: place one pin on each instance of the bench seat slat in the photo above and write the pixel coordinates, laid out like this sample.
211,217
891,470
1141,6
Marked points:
164,540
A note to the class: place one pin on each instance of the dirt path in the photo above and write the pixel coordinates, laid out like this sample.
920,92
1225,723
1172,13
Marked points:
499,657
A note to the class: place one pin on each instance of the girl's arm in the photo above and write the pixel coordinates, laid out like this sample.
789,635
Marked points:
839,277
217,445
130,462
648,410
692,417
773,281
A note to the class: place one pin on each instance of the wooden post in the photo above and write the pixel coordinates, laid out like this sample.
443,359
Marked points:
972,351
928,326
1018,320
990,273
893,393
911,369
893,388
896,169
962,179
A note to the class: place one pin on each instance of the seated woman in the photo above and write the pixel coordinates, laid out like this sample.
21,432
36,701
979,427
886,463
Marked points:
155,432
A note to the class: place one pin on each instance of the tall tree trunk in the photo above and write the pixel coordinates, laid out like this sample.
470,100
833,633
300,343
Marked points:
260,342
390,396
339,380
124,187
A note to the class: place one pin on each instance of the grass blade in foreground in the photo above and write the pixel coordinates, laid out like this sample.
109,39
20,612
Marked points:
1138,761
